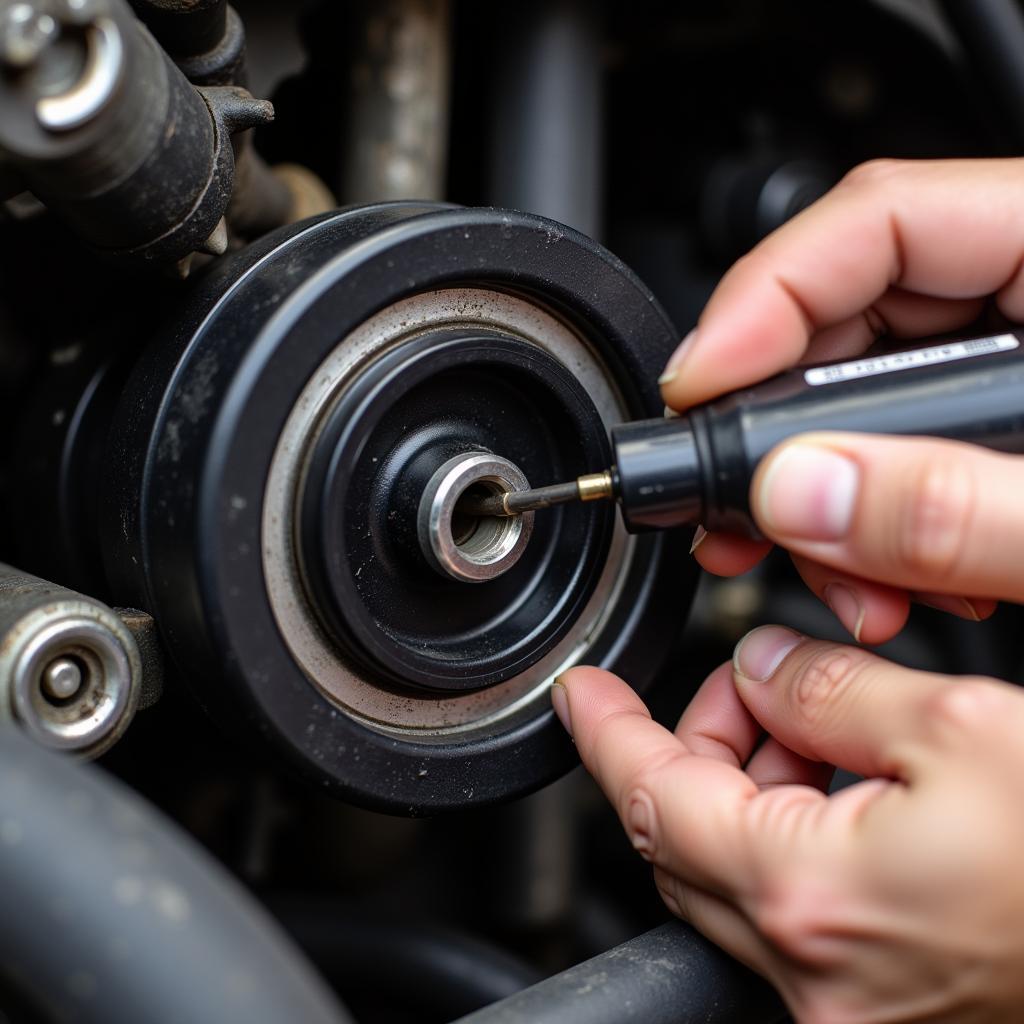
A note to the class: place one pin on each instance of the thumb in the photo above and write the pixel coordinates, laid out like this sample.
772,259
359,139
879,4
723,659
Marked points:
838,704
929,515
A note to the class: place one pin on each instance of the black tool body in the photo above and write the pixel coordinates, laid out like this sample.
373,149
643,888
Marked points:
698,468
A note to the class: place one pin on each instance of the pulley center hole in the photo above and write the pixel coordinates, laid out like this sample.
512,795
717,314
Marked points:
470,530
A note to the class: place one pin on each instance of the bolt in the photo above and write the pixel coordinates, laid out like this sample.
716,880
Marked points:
25,31
62,678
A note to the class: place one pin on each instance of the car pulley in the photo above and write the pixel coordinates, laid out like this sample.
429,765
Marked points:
287,464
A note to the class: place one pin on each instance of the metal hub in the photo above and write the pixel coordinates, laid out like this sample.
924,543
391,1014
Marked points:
472,548
391,437
429,427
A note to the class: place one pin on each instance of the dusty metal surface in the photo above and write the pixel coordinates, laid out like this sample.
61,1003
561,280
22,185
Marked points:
398,104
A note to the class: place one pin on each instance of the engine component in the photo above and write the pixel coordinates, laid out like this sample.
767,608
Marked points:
742,201
102,127
205,38
117,917
473,548
270,461
547,132
645,973
396,116
70,670
207,42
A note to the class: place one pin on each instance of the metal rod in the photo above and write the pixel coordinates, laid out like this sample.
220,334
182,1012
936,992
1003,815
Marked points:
592,487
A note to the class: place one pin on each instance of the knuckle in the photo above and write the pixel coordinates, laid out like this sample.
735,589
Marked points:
873,173
821,681
641,822
639,803
936,519
791,917
967,706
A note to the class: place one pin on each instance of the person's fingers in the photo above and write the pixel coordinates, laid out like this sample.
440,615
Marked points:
776,765
838,704
682,812
974,609
724,554
887,224
716,722
871,613
897,314
932,516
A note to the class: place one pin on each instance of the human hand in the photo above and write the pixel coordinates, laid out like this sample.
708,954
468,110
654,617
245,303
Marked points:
897,899
907,249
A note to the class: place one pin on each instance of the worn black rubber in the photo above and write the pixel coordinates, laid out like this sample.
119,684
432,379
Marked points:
111,915
671,975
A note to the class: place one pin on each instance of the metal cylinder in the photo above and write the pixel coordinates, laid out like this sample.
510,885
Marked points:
396,145
70,670
472,548
546,149
128,153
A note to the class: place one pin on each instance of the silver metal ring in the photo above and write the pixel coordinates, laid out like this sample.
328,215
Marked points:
486,547
89,95
99,710
425,717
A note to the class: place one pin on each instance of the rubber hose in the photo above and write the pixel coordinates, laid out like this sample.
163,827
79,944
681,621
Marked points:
444,972
111,915
671,975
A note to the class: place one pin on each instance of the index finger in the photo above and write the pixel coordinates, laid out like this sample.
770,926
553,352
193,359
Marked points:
951,229
681,811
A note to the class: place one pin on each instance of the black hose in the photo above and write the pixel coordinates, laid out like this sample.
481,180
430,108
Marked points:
668,976
992,35
443,972
110,915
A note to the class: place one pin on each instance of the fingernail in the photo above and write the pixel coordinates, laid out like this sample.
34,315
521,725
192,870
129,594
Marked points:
560,702
698,538
952,605
846,607
676,361
762,651
809,492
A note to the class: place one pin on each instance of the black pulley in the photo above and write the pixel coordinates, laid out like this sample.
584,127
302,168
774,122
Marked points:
283,489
